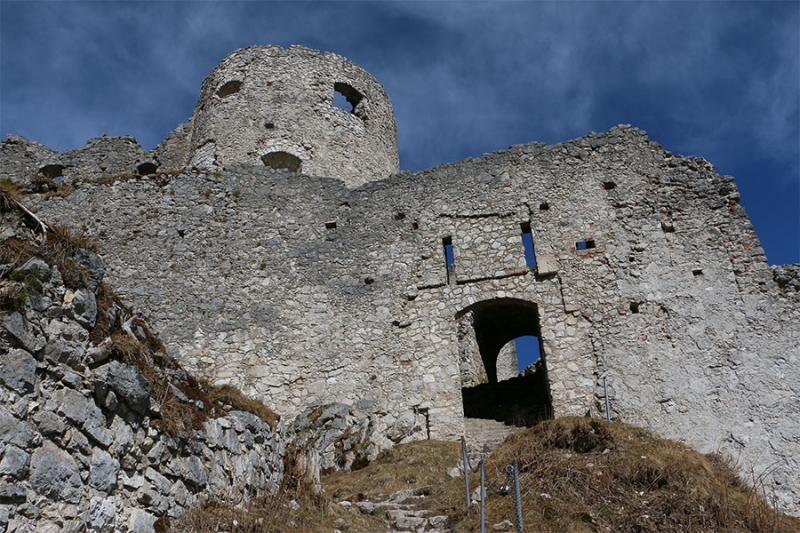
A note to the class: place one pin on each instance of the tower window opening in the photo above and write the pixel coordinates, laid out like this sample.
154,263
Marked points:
282,161
146,168
527,245
585,245
232,87
347,98
52,172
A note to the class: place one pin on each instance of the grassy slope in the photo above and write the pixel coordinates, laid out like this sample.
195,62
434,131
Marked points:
577,475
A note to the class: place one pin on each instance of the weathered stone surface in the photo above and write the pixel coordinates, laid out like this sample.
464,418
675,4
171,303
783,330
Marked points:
18,371
55,474
128,385
141,522
28,336
74,406
15,462
15,431
82,307
94,267
102,515
104,470
12,493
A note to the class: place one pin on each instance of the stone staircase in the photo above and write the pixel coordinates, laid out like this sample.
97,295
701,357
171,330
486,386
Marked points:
404,513
484,435
404,510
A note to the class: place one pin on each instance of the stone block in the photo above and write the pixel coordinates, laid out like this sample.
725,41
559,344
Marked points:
18,371
546,264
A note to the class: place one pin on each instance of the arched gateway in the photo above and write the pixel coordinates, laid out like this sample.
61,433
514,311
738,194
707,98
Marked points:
484,329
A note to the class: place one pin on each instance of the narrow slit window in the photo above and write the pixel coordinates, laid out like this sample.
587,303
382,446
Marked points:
449,258
527,245
585,245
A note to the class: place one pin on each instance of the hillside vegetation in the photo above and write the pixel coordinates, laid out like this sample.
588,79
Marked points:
577,475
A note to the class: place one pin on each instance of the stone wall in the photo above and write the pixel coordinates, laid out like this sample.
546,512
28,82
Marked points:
301,291
81,446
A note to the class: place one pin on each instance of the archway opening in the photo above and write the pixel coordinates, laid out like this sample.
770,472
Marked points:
282,161
507,378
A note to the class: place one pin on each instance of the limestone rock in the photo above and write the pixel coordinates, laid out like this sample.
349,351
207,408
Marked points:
82,307
128,385
55,474
15,462
104,470
18,371
27,335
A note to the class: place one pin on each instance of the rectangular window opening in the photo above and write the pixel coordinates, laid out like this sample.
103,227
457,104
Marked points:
527,245
585,245
449,257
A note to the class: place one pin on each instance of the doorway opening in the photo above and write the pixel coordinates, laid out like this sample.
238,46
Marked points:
503,370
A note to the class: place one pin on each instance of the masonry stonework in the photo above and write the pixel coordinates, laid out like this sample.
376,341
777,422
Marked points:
302,289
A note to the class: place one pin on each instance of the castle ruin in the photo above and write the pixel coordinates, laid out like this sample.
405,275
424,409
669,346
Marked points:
274,244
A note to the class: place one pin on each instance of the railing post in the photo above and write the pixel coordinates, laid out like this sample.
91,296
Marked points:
466,467
483,495
605,389
517,497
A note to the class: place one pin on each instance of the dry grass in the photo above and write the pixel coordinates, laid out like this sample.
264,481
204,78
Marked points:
581,475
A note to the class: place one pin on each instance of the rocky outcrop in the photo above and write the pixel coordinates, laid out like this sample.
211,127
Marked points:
84,443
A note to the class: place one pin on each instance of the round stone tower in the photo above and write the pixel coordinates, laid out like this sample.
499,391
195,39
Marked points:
297,109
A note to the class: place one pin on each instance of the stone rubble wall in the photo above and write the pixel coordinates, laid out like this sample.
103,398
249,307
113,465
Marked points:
81,447
301,291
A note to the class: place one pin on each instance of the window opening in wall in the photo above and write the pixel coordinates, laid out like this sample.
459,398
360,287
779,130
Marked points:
515,388
585,245
52,172
635,307
527,245
347,98
609,185
697,272
449,257
282,161
544,206
232,87
146,168
330,224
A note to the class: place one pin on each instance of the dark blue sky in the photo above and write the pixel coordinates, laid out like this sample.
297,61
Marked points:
720,80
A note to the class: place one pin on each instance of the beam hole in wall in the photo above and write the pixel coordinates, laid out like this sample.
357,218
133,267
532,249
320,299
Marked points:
282,161
505,334
588,244
330,224
635,307
229,88
146,168
347,98
544,206
697,272
527,245
609,185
